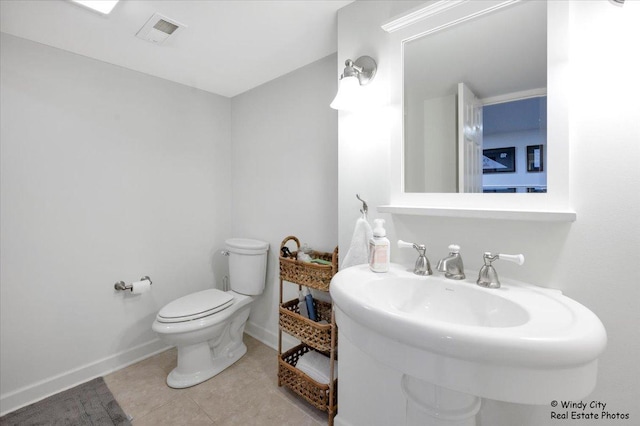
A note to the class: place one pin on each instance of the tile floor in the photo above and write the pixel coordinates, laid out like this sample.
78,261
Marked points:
246,393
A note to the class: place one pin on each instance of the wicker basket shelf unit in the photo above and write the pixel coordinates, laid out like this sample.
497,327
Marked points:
313,335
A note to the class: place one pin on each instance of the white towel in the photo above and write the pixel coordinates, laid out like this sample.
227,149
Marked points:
359,249
317,366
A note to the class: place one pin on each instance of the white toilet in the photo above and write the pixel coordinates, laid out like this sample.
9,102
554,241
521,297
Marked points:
207,326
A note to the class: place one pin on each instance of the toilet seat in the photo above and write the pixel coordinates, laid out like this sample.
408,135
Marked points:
195,306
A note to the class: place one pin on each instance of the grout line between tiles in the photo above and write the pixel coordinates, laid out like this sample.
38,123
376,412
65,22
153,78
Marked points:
202,409
307,414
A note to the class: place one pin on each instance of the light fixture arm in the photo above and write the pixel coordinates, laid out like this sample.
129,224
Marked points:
364,68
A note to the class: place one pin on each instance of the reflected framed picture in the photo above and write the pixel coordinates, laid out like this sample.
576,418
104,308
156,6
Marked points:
499,160
535,158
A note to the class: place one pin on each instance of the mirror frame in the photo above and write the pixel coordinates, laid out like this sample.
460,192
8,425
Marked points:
553,205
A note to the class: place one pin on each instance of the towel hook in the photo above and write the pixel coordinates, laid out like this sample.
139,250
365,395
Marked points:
365,208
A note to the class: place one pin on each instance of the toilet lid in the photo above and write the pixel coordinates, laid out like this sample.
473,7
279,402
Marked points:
195,306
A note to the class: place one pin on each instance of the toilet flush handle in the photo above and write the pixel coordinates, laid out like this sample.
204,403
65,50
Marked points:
224,252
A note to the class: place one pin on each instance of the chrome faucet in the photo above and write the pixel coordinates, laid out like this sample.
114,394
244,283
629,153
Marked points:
488,277
452,265
422,267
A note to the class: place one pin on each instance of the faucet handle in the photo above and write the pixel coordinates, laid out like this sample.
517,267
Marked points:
488,277
515,258
423,267
420,247
454,248
404,244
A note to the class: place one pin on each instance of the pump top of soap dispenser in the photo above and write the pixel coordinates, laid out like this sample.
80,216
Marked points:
378,228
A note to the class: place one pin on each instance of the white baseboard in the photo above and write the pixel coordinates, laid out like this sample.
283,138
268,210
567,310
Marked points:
14,400
337,421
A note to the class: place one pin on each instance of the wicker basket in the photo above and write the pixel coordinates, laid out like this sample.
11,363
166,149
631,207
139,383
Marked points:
314,392
312,275
306,330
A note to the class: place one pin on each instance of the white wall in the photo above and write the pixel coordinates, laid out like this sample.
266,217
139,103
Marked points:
107,175
590,260
440,129
430,123
285,176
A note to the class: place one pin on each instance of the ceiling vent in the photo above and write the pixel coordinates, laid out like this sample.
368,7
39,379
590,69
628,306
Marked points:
159,28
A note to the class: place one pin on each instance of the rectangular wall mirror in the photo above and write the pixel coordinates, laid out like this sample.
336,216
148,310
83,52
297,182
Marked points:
479,96
474,100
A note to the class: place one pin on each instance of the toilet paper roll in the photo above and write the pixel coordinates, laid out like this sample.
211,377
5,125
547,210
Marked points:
140,287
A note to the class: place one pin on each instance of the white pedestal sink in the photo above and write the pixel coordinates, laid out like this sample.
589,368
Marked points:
456,342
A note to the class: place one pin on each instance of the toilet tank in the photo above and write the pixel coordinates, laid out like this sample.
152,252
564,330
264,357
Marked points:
247,265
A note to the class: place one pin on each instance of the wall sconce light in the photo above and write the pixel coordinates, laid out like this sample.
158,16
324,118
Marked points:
356,74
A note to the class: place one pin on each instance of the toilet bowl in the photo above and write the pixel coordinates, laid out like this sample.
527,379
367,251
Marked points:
207,326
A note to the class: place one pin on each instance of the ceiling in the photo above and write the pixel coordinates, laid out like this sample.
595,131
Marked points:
227,48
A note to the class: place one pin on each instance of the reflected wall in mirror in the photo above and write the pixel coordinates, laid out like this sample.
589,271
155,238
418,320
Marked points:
475,88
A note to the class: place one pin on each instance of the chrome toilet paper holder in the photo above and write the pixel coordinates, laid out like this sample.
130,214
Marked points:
120,285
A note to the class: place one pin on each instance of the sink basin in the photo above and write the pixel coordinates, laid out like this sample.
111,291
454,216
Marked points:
519,343
438,301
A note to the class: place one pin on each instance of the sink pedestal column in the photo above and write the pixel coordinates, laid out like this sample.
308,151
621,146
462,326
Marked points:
432,405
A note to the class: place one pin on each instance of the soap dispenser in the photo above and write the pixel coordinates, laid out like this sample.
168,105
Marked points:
379,248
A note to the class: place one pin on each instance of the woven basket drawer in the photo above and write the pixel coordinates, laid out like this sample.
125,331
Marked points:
314,392
306,330
312,275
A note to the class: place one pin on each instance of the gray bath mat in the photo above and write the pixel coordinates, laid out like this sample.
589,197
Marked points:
90,403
